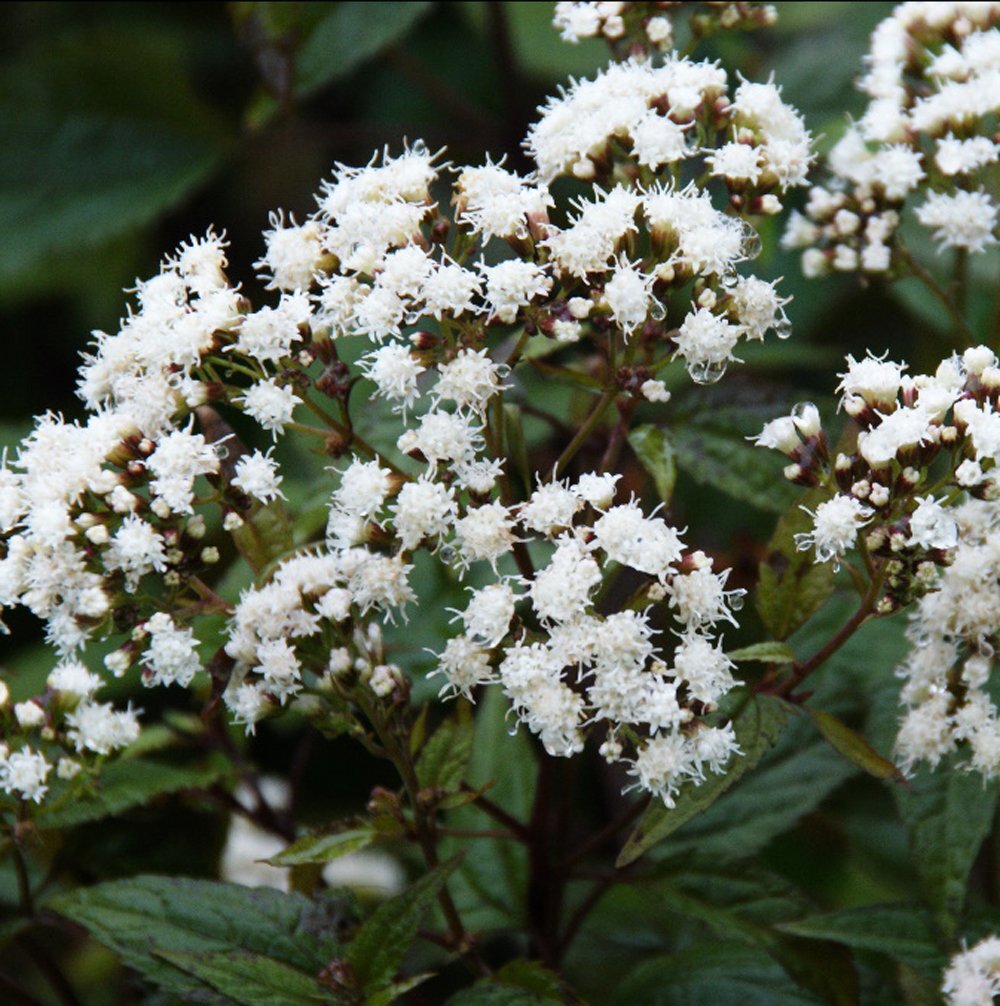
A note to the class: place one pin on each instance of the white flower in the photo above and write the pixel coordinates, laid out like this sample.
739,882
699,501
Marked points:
485,533
464,664
424,509
469,380
394,370
72,678
973,976
136,549
487,615
172,654
835,527
644,543
513,284
100,728
270,405
293,253
268,334
706,342
257,475
550,509
931,526
963,220
23,773
628,294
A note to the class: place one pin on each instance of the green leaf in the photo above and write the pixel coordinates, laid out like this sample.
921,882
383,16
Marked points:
902,932
757,728
348,37
324,848
142,918
792,585
948,813
489,885
519,983
744,904
445,758
249,979
653,448
722,974
791,780
853,746
710,442
765,653
85,160
125,784
380,945
391,993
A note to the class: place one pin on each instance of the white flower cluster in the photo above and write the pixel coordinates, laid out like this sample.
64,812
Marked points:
933,78
103,521
954,634
920,436
650,25
563,665
973,976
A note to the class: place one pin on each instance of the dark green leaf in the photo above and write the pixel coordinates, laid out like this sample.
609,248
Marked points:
653,448
519,983
350,35
380,945
903,932
124,784
710,442
948,812
324,848
792,585
853,746
721,974
145,917
757,728
445,758
250,979
489,885
765,653
391,993
85,160
790,781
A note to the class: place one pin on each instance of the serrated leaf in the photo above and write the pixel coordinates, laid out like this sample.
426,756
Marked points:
765,653
324,848
757,728
380,945
790,781
125,784
792,586
902,932
853,746
709,438
948,813
445,758
145,917
721,974
654,449
390,994
250,979
518,983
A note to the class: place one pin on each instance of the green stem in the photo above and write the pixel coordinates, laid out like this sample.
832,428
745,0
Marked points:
963,334
583,434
